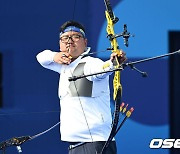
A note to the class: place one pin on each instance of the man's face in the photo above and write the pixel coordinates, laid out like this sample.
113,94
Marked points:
73,43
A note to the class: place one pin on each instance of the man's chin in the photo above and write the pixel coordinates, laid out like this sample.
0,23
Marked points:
71,49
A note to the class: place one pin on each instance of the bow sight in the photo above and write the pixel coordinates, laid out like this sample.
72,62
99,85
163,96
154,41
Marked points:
125,34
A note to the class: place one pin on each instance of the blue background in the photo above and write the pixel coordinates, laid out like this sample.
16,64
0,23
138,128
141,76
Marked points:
30,101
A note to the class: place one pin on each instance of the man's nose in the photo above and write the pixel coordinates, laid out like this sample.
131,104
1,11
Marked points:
70,40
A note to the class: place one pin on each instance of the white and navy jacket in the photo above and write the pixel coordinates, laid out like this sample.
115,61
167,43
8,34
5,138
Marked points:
82,100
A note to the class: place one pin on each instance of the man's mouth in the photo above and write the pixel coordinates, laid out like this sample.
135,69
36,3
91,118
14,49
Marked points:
70,47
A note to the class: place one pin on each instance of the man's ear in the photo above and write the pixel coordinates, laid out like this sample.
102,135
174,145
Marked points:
86,41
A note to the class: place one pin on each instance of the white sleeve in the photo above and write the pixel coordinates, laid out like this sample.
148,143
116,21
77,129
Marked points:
96,65
45,58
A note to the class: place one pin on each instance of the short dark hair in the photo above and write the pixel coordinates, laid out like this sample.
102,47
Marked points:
71,23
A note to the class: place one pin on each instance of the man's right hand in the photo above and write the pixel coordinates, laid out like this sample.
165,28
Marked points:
62,58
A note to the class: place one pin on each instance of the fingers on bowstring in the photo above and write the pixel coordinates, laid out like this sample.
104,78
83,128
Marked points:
65,58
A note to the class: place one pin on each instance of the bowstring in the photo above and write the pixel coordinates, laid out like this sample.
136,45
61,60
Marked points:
75,1
83,112
82,108
73,15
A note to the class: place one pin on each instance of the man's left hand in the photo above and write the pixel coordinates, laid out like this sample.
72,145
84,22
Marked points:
121,58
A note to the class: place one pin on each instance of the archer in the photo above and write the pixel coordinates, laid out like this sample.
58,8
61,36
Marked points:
85,104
